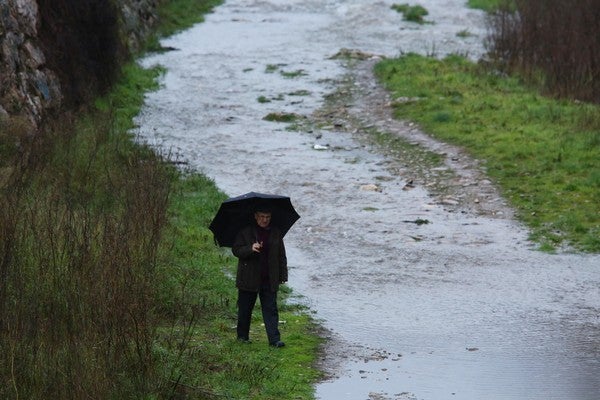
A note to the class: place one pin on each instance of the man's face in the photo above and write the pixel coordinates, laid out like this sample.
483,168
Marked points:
263,219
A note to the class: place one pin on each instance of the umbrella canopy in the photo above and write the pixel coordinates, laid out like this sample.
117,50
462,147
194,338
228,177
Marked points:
236,213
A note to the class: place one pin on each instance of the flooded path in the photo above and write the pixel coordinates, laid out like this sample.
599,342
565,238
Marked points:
460,307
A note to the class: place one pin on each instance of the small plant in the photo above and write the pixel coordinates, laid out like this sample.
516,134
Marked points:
293,74
272,68
299,93
418,221
411,13
464,34
263,99
281,117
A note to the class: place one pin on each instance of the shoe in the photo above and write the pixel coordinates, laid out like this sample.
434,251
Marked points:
278,343
244,340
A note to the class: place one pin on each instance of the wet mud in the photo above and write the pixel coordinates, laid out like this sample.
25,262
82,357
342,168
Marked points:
427,285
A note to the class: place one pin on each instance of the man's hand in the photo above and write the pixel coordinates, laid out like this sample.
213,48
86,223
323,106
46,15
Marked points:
256,247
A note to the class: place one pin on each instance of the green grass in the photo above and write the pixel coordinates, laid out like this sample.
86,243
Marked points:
485,5
177,15
544,153
490,5
127,96
411,13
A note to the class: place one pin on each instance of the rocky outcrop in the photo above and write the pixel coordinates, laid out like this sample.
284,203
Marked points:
27,87
138,18
30,87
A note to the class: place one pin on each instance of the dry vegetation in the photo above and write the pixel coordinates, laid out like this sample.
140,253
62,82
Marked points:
553,43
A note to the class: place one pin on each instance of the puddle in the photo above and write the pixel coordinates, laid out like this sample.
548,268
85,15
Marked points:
459,307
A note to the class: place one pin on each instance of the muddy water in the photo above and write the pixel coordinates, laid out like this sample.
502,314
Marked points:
461,307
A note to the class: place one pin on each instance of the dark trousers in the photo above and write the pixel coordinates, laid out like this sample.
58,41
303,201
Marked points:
270,314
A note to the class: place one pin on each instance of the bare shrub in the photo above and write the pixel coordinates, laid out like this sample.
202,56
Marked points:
552,42
80,222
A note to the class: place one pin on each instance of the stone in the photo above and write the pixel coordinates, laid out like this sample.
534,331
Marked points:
28,10
448,201
3,114
8,22
40,82
34,57
10,50
371,187
55,89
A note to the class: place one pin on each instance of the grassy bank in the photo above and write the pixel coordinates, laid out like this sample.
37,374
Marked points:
544,153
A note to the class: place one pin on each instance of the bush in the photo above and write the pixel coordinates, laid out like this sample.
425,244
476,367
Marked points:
80,221
411,13
550,42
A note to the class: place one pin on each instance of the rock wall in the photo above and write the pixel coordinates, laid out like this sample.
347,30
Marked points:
29,86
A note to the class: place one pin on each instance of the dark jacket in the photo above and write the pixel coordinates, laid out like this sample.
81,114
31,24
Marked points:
248,270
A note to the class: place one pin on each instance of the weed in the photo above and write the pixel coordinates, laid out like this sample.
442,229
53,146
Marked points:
411,13
370,209
281,117
465,33
272,68
300,92
293,74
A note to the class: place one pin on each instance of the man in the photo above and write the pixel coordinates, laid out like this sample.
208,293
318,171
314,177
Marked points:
262,267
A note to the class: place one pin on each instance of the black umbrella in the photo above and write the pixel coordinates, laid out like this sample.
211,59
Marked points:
237,212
